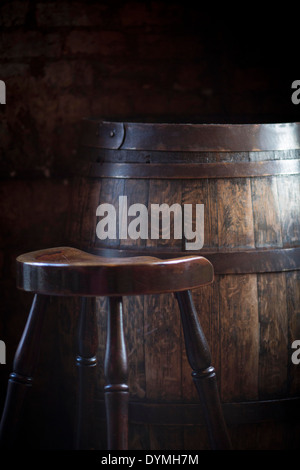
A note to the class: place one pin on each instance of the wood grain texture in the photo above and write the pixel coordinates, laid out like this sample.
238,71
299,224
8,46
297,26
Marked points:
239,336
235,219
136,192
289,204
203,372
81,219
206,299
134,333
273,357
162,340
109,194
162,331
163,358
293,316
204,192
164,192
67,271
250,312
267,223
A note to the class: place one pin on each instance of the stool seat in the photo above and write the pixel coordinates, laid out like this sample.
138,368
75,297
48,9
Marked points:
69,271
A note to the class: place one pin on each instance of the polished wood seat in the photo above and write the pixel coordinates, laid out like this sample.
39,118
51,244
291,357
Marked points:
66,271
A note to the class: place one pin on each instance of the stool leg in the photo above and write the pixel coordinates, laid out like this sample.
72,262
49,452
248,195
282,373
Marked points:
86,362
116,372
20,380
203,374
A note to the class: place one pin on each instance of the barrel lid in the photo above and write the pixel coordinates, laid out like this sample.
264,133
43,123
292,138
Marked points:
189,137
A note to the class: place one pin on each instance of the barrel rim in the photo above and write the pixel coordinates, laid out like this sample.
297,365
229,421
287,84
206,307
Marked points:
190,137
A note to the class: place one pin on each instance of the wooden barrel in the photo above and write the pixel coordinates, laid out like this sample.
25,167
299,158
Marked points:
247,178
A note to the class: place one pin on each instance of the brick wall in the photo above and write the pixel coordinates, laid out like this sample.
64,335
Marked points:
62,61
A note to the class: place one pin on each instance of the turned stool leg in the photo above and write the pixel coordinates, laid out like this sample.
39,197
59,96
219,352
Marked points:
20,380
116,372
86,365
203,373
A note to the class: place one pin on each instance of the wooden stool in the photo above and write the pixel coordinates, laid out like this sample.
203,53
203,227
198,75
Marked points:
67,271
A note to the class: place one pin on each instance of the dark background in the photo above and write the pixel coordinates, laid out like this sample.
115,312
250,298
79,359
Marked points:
62,61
